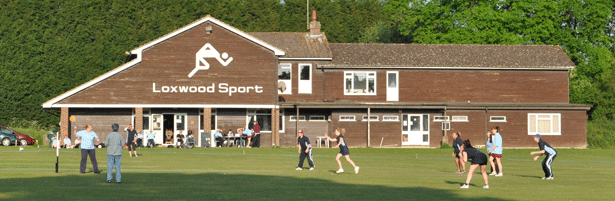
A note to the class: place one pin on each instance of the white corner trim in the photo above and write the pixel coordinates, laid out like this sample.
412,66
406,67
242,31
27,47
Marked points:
160,106
318,59
208,18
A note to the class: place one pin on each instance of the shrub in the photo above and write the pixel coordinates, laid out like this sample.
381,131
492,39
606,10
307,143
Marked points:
601,133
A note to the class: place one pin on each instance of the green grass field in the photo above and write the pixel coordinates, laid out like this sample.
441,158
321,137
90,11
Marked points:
269,174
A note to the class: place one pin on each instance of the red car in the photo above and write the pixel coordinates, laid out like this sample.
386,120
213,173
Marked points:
22,138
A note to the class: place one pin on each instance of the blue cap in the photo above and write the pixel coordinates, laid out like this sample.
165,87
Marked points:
538,136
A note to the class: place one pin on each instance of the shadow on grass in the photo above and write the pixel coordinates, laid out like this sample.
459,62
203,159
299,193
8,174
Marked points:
530,176
461,183
212,186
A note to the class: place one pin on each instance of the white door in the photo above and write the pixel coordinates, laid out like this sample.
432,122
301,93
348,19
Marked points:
392,86
157,128
415,129
180,125
305,78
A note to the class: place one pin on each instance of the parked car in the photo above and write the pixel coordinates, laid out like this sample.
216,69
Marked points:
7,136
23,139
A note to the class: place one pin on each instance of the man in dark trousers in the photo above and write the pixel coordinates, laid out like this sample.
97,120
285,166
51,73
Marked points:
257,135
131,140
305,151
87,138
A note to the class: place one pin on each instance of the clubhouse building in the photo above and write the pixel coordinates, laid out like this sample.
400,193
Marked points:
209,75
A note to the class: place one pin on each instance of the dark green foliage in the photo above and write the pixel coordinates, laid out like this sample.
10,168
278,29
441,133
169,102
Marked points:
49,47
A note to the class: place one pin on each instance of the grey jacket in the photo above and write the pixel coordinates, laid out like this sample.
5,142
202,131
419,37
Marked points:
114,143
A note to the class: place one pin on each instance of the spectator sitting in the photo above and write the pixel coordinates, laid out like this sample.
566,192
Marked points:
139,139
218,137
67,143
229,135
180,140
150,139
240,141
190,142
54,142
77,143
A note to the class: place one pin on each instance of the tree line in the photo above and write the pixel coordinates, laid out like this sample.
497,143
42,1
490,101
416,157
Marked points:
48,47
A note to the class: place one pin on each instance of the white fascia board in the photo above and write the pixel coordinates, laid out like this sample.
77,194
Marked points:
277,51
318,59
160,106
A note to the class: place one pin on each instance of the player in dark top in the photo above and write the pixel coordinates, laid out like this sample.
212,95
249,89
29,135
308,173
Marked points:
341,143
457,144
305,150
131,140
476,158
546,149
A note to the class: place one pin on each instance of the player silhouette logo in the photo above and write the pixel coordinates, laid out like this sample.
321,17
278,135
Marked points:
209,51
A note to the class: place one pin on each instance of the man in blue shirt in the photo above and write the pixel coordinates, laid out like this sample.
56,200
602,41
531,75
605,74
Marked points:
219,138
150,139
87,137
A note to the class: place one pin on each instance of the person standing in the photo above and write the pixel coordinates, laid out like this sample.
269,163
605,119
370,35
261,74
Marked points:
150,139
257,135
457,144
305,150
546,149
131,140
488,146
87,137
341,143
496,150
114,142
249,135
477,159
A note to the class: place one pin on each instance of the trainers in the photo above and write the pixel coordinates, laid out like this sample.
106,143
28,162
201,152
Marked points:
130,156
340,171
108,181
486,186
312,168
462,172
499,175
544,178
299,168
356,170
465,186
136,155
493,173
549,178
458,172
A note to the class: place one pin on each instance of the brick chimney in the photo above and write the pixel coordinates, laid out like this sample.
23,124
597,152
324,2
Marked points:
314,26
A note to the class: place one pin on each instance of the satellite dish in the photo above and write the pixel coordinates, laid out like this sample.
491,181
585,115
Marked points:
281,87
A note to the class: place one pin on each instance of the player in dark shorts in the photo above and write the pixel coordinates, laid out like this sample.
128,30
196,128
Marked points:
457,144
546,149
131,140
305,150
341,143
477,159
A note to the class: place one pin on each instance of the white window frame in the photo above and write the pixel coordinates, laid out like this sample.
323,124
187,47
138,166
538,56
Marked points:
446,126
307,87
436,118
301,118
252,113
375,76
384,118
550,118
288,66
459,119
491,119
323,118
354,118
372,118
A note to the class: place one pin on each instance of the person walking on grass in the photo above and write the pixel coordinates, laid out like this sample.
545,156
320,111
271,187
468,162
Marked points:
477,159
131,140
546,149
341,143
305,150
87,137
457,144
114,142
496,150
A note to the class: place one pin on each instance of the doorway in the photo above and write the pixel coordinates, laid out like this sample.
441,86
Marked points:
168,130
415,129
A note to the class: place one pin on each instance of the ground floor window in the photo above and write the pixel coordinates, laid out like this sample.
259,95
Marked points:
544,123
263,116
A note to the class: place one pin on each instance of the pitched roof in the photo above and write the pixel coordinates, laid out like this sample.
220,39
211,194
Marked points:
297,44
355,55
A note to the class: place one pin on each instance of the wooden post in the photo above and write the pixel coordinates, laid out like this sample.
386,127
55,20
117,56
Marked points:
369,116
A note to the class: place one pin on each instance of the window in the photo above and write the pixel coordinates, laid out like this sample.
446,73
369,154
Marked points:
371,118
284,71
440,118
446,126
263,116
390,118
360,83
544,124
497,119
305,79
460,118
294,118
317,118
145,122
347,118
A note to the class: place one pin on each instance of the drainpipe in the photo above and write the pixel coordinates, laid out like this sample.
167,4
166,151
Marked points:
324,77
369,115
445,137
486,110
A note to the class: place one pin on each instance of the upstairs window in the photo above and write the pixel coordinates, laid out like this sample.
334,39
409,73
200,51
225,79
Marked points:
360,83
